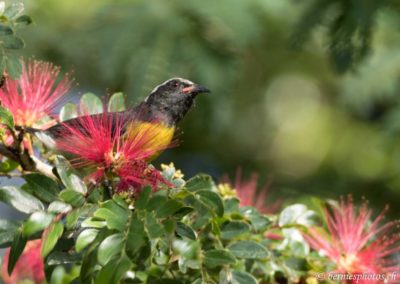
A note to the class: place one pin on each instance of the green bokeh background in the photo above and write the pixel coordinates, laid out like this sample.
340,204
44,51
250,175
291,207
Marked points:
285,112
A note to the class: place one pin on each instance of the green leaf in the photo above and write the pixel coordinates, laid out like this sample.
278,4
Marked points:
72,197
68,111
95,194
72,218
64,170
188,252
225,276
12,42
7,224
183,212
14,67
156,202
6,117
231,205
62,258
298,263
295,242
17,247
90,104
14,10
24,20
8,165
7,232
85,238
212,200
233,229
248,249
120,202
203,212
168,208
43,187
113,271
109,247
143,198
116,102
59,207
241,277
199,182
115,216
136,235
89,263
37,222
79,213
93,223
5,30
217,257
20,200
77,184
51,236
184,230
59,275
169,226
297,214
154,229
258,221
2,64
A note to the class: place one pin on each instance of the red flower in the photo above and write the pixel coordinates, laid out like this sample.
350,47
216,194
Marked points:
99,141
248,194
356,245
35,94
28,267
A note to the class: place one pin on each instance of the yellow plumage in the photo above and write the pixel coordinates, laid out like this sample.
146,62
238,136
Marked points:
154,137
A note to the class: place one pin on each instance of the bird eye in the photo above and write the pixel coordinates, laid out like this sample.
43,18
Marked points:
174,84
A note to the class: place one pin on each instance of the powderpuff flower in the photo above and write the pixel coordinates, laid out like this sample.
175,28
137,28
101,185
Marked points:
35,94
246,191
28,267
115,146
357,245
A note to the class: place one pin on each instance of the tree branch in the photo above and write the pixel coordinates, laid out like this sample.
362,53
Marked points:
28,163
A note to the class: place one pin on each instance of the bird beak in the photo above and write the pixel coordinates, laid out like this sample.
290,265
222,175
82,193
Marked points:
195,89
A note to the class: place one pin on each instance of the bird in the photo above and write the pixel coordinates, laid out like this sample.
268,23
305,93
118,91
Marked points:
165,106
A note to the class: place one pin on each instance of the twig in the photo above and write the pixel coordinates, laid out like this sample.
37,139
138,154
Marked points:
11,175
44,168
5,151
28,162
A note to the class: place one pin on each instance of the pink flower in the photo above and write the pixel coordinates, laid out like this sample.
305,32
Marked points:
28,267
137,173
35,94
355,243
100,141
248,194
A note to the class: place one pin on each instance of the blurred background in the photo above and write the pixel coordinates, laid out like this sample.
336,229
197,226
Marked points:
305,93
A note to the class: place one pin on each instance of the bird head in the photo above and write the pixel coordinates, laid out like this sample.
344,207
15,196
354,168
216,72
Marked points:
174,97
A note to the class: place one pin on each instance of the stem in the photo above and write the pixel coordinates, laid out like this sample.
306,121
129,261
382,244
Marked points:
28,162
11,175
107,189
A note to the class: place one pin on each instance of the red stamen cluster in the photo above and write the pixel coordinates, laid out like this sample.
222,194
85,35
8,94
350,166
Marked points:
100,141
248,194
35,94
356,245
